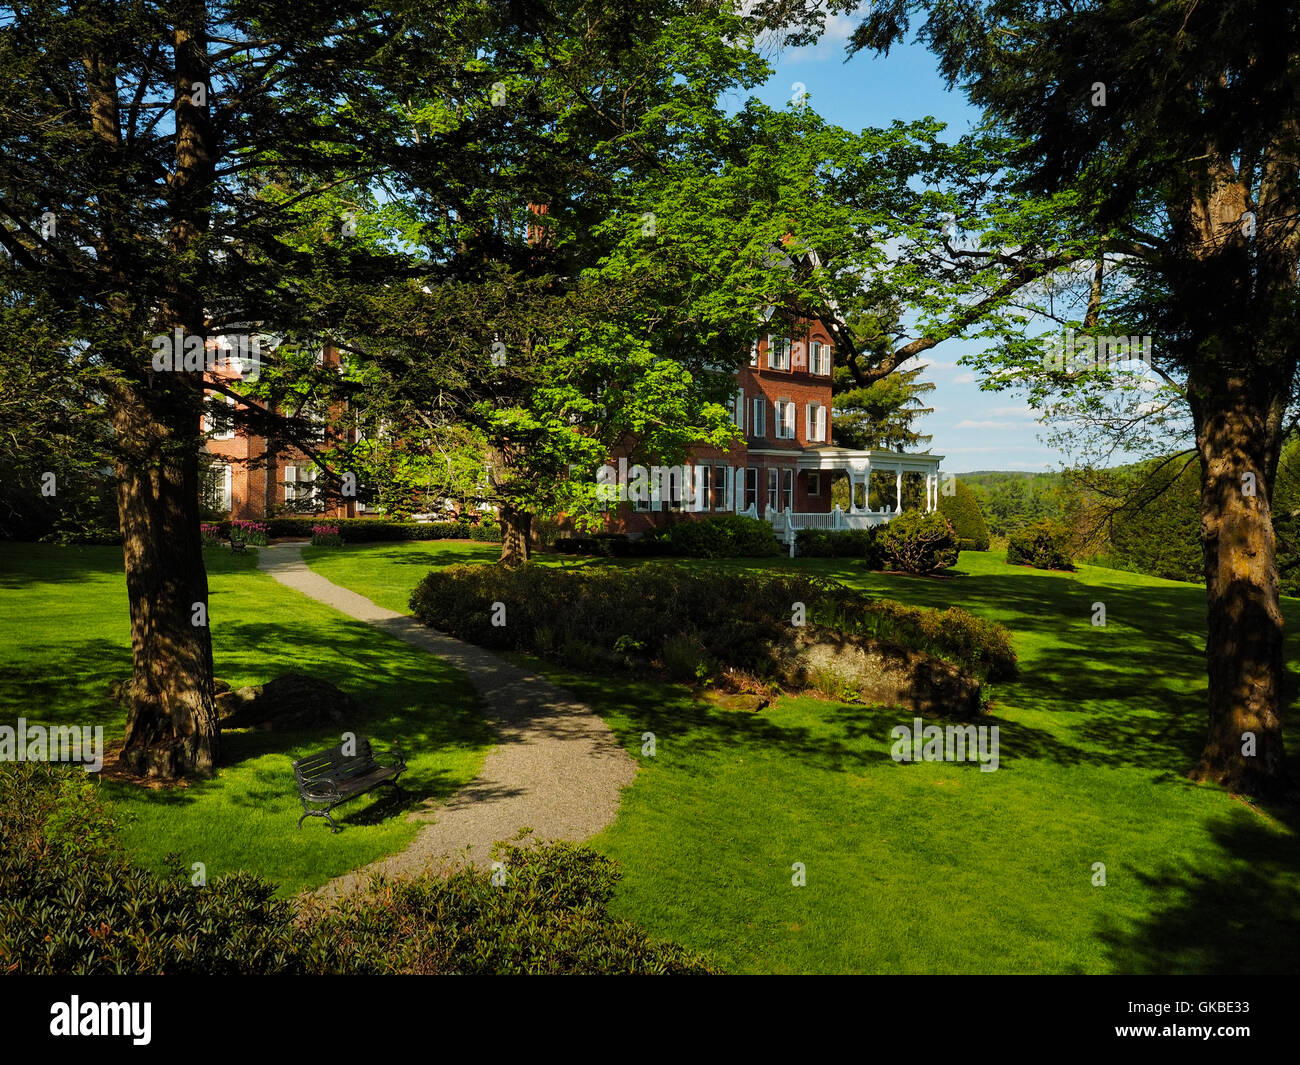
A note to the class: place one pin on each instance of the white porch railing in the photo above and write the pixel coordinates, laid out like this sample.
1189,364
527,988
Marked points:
786,523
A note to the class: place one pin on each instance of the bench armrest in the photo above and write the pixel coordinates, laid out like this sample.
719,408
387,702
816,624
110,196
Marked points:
319,785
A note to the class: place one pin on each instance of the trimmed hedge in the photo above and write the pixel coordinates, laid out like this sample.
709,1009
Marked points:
611,545
1043,545
962,509
918,543
70,902
845,543
376,530
613,617
722,536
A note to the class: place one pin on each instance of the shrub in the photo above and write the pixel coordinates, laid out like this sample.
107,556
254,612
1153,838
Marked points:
211,534
684,658
845,543
548,914
616,608
918,543
723,536
1159,532
963,511
1044,545
376,530
70,902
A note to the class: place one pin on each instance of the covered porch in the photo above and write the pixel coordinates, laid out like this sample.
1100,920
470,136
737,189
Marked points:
858,467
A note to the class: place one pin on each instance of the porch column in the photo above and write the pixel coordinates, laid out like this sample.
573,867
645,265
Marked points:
898,489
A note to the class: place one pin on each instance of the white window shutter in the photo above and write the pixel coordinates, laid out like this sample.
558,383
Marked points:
739,409
821,423
808,419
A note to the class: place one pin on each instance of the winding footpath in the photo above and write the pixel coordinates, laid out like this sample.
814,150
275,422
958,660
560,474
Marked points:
556,768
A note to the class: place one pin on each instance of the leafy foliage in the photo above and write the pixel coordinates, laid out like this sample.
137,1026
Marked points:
916,542
963,511
1043,545
846,543
723,536
376,530
70,902
620,614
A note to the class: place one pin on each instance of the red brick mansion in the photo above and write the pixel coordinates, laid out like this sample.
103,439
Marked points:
782,470
779,471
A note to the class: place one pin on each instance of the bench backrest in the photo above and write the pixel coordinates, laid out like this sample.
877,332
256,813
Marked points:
332,762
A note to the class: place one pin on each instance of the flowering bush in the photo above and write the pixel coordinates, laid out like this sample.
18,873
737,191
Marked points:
326,536
251,532
210,533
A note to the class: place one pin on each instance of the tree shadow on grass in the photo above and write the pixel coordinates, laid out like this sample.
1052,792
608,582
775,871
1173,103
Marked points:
1239,914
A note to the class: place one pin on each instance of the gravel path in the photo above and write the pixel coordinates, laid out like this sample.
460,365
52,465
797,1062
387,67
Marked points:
556,769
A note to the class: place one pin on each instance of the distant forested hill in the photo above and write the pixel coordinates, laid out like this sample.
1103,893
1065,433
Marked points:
1009,499
1157,529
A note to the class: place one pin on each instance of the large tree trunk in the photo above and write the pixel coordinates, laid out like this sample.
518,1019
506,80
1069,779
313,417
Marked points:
171,727
516,536
1244,750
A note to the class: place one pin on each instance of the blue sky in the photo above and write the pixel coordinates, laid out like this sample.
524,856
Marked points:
974,430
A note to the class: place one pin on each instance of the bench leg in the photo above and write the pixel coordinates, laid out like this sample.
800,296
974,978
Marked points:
320,813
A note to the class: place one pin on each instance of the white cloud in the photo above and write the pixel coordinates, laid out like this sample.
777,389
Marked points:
964,379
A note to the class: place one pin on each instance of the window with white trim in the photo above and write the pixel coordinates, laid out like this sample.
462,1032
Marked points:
300,485
788,478
218,419
773,489
759,422
778,352
219,483
785,419
736,408
821,358
815,423
814,483
718,498
753,353
751,487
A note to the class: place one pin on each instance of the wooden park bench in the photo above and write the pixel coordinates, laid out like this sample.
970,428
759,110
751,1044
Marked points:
330,777
237,547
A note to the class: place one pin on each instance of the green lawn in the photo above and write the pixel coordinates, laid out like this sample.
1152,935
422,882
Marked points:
64,636
936,867
932,867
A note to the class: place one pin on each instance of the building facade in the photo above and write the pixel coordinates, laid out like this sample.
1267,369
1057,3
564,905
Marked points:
782,469
251,477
